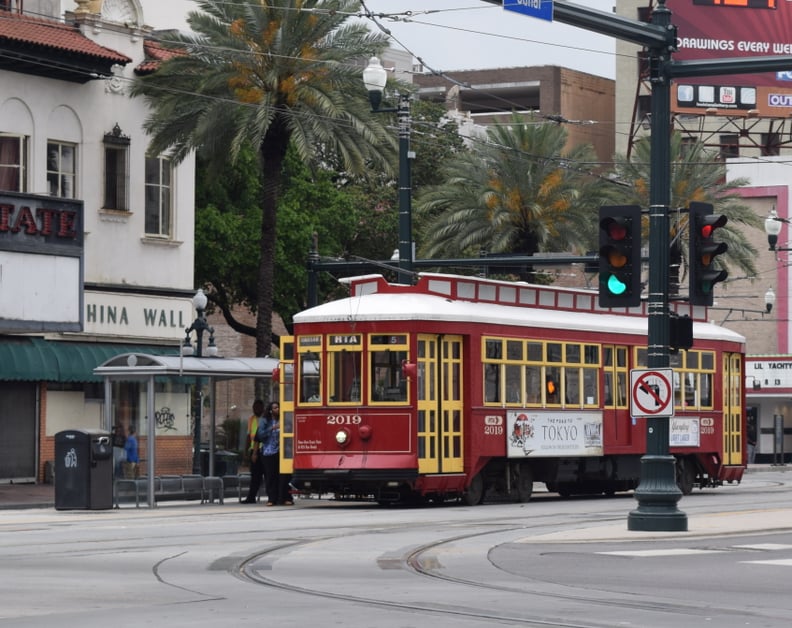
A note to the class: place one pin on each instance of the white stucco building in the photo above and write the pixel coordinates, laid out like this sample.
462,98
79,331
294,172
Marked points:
81,201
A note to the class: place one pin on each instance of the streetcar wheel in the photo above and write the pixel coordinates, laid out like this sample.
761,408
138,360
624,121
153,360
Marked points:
525,483
685,476
474,494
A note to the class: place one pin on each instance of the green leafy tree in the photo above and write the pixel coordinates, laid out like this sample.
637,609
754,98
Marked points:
227,228
697,174
519,192
270,75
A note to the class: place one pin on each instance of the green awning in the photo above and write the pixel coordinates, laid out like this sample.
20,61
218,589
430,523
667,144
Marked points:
24,358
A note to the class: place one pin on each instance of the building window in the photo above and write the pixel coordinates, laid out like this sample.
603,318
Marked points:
116,173
61,169
729,145
771,144
13,163
158,196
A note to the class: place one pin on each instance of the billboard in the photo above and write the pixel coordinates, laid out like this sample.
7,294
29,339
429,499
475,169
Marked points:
41,263
723,29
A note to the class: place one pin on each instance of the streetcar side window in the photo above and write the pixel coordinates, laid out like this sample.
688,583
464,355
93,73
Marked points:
310,370
493,353
309,358
387,352
533,373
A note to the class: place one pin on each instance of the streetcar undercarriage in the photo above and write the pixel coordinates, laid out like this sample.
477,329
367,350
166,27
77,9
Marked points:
500,479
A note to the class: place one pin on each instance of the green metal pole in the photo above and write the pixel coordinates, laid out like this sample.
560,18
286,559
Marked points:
405,192
657,493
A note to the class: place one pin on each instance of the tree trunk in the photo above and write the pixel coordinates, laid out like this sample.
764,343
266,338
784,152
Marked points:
272,152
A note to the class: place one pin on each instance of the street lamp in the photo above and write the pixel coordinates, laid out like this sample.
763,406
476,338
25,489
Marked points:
770,299
374,78
199,326
772,227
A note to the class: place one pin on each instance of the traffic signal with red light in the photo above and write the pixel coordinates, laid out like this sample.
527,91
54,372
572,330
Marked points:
620,256
703,272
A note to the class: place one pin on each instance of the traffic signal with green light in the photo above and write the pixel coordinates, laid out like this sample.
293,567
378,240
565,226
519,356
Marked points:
704,274
620,256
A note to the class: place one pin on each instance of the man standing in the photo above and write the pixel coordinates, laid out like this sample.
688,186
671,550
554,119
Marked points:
119,453
254,452
132,458
269,437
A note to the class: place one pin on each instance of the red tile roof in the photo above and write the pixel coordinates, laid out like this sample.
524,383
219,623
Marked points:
156,53
35,31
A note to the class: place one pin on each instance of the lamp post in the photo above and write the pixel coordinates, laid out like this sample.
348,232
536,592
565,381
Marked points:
770,299
374,78
772,227
199,326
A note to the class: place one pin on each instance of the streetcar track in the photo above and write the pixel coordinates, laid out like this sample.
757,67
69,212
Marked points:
423,562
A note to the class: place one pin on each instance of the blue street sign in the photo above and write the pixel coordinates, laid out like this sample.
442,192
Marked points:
543,9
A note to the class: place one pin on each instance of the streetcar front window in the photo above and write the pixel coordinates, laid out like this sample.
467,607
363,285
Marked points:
386,355
345,359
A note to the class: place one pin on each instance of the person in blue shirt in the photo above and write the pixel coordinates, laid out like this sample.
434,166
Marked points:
268,435
131,449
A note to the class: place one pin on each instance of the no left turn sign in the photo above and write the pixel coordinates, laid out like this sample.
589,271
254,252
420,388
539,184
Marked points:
652,392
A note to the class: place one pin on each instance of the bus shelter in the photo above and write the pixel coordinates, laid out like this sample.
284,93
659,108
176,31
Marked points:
154,371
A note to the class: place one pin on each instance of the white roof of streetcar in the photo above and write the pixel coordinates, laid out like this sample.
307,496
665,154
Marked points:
414,304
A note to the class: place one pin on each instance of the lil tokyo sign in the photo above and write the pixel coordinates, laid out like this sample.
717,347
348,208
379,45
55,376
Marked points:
543,9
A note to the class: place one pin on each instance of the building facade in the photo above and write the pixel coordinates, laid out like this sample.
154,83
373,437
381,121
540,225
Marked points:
72,143
582,102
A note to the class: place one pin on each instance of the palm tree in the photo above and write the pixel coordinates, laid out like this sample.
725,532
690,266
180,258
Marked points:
696,175
518,192
268,74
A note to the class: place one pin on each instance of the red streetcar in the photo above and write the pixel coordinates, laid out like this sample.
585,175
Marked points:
462,387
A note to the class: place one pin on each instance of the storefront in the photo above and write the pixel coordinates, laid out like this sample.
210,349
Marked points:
768,385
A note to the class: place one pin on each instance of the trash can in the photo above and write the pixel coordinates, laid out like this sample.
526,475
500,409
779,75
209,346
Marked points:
83,470
226,462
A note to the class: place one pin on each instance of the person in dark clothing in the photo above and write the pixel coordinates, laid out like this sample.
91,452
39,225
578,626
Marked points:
254,451
751,440
269,435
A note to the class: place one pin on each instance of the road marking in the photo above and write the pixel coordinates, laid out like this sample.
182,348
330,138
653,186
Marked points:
662,552
786,562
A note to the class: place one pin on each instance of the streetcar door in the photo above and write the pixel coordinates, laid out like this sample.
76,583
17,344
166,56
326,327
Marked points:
439,404
733,414
286,402
616,420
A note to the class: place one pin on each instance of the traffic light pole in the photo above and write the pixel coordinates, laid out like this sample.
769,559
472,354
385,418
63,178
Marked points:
657,494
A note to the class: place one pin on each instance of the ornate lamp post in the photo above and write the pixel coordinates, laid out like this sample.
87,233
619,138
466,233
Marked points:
199,326
374,78
772,227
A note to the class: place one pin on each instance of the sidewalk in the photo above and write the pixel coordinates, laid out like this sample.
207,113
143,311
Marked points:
15,496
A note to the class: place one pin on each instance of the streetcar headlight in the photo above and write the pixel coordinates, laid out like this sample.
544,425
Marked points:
342,437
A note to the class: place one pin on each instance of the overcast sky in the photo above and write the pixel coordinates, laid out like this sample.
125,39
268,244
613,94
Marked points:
462,34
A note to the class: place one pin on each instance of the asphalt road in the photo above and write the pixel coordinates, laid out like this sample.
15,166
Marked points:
551,562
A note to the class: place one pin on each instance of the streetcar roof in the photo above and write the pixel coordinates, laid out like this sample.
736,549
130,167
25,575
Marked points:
409,306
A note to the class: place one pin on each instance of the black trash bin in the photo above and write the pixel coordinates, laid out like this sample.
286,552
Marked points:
226,462
83,470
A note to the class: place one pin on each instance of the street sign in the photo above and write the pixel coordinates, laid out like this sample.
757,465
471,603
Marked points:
543,9
652,392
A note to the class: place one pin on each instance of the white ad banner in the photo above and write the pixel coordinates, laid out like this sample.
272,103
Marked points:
547,433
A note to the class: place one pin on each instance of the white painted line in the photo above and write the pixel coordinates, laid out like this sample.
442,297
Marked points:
662,552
